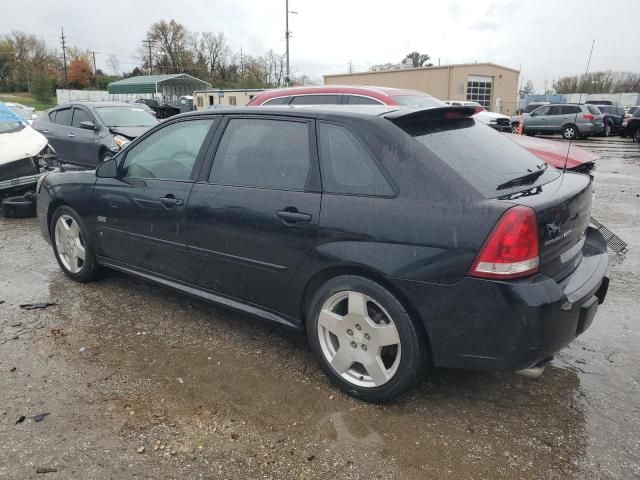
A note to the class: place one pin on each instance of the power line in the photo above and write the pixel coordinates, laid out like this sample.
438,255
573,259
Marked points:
64,55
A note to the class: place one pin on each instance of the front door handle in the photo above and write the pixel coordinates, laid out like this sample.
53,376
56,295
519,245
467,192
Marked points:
291,216
170,202
70,135
45,131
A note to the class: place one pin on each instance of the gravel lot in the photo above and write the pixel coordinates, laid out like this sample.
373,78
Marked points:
141,382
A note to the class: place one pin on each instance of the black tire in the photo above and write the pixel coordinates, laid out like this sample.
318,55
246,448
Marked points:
570,132
415,358
90,268
608,130
18,207
514,128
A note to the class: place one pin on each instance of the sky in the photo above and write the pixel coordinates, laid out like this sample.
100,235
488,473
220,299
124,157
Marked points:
545,39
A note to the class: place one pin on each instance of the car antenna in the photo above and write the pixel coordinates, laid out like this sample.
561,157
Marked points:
566,158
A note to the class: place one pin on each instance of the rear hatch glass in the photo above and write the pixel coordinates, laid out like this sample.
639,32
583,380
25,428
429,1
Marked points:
486,159
593,110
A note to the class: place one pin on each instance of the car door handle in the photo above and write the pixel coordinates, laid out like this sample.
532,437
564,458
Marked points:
291,216
45,131
170,202
70,135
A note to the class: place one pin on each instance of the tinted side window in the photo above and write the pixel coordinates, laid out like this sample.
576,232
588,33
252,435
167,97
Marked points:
542,111
168,153
80,116
263,153
570,109
316,100
63,116
347,166
278,101
358,100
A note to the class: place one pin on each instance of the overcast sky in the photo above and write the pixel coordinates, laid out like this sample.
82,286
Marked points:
545,38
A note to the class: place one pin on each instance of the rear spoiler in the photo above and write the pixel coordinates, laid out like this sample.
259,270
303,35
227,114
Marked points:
411,115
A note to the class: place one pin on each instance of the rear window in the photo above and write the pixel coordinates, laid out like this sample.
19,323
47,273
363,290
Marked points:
418,101
606,109
593,110
482,156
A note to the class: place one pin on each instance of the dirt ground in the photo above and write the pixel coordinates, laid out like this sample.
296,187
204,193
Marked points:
140,382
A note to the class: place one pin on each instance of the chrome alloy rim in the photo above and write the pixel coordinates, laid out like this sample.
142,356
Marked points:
69,243
359,339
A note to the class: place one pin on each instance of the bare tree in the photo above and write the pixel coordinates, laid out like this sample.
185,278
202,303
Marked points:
114,63
419,59
171,39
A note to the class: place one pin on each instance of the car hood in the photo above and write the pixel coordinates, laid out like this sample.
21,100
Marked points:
17,145
129,132
553,152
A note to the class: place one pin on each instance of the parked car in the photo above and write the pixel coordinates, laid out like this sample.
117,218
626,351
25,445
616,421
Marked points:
24,155
612,117
88,133
571,120
629,113
344,95
362,226
602,102
631,126
162,111
497,121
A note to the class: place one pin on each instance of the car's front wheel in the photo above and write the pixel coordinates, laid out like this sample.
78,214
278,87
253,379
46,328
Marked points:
71,246
365,340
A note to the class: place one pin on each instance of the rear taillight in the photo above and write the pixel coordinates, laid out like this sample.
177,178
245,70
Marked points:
512,249
588,116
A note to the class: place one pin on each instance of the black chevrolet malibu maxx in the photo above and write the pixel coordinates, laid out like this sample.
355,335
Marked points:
397,239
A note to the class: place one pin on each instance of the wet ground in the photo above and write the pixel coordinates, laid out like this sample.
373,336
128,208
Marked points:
120,364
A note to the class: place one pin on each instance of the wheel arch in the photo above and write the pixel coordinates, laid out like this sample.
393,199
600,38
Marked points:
53,206
319,278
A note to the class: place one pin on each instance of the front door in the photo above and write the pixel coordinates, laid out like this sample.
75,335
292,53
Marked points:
84,148
536,121
253,216
140,214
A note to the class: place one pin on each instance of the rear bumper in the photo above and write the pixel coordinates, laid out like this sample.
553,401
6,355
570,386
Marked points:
492,325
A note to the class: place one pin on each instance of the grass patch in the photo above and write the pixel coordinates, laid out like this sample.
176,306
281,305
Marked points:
26,99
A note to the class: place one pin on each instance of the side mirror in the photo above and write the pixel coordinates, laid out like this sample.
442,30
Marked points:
108,169
532,114
87,125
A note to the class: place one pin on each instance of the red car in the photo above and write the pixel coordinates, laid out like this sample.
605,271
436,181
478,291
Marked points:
345,95
553,153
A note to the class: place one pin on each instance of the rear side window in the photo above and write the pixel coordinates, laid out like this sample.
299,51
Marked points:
358,100
593,110
80,116
316,100
484,157
570,109
278,101
347,166
263,153
63,116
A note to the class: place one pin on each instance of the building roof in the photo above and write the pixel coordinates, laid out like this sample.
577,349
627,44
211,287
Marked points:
151,83
434,67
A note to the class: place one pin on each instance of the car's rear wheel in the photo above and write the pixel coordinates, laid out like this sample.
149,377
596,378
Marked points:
71,246
365,340
570,132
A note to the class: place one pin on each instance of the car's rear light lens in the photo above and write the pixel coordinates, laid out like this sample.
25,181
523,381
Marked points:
588,116
512,249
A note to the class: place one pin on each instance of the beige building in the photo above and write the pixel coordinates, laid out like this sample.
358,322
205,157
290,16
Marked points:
493,86
202,99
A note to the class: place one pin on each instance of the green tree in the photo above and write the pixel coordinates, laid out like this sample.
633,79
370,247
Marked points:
419,59
42,86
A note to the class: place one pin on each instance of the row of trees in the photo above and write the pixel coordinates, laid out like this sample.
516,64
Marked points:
599,82
210,57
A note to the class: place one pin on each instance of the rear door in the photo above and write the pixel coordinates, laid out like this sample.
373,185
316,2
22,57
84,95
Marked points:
140,214
568,114
253,216
83,143
59,131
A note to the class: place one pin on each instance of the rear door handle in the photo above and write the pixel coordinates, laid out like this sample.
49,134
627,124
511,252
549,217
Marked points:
291,216
70,135
170,202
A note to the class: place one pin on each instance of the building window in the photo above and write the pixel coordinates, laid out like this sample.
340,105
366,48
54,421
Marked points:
479,90
232,100
210,99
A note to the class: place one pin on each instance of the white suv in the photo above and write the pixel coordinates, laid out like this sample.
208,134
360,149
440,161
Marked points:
498,121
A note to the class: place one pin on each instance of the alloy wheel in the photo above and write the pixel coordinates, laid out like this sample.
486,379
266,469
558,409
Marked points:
69,243
359,339
569,133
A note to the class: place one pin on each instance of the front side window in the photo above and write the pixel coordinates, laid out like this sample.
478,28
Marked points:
263,153
347,166
542,111
358,100
278,101
80,116
169,153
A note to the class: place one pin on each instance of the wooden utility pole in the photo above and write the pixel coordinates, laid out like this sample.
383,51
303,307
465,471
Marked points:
64,56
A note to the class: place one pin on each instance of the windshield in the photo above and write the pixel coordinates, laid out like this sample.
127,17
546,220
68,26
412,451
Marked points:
125,117
482,156
18,111
9,121
418,101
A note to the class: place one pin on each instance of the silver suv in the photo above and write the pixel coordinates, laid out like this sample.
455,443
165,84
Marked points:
571,120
